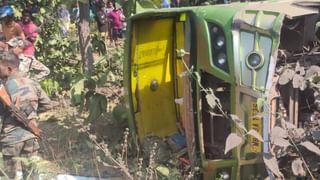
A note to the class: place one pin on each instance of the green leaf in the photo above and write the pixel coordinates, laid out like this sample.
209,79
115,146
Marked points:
53,42
233,140
97,106
84,1
238,122
77,92
42,11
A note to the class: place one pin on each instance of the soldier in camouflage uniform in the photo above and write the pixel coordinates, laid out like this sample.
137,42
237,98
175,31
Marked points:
15,139
29,65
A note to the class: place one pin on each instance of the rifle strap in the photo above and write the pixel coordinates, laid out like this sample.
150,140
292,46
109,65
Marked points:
32,58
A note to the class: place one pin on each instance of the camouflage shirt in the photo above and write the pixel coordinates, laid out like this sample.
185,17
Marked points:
32,68
30,96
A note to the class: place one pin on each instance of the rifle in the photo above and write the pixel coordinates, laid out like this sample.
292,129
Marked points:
19,116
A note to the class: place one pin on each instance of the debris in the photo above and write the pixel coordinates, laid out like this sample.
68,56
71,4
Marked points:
297,168
286,76
316,135
163,152
176,142
179,101
164,171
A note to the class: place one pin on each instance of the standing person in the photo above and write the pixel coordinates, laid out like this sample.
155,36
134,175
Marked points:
30,31
116,18
109,9
76,13
94,5
64,17
16,140
10,28
29,66
32,6
102,21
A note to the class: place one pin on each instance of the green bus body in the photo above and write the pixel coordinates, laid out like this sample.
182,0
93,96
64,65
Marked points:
248,33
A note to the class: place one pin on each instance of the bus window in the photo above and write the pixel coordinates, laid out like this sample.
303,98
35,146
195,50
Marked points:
215,128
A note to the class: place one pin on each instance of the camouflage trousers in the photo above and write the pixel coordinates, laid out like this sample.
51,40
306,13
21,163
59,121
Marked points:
23,149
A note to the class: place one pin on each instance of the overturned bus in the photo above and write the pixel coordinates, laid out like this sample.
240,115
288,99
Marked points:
247,53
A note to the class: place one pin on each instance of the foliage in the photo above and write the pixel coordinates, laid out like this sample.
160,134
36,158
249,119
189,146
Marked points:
282,138
97,106
236,139
57,52
293,149
61,55
40,166
98,44
147,168
118,162
287,140
50,86
108,74
109,69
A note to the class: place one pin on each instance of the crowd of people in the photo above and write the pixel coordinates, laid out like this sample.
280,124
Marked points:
110,21
19,37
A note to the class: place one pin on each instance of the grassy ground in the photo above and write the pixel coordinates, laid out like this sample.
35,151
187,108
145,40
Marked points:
71,150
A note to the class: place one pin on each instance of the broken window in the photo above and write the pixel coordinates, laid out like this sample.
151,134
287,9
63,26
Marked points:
216,128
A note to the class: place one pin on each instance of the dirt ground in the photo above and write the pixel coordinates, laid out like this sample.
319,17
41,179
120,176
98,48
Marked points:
72,151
